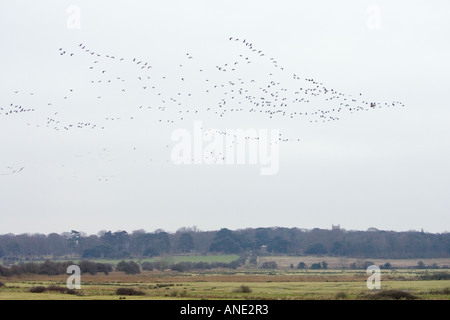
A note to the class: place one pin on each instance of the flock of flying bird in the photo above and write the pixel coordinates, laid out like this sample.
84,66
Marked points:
250,82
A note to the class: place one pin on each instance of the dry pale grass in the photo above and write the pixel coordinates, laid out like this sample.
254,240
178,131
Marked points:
339,262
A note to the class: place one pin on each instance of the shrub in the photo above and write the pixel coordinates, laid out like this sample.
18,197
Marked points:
182,266
341,295
301,265
129,292
147,266
445,291
394,294
38,289
176,293
54,288
202,265
106,268
88,267
421,265
130,267
243,289
5,272
436,276
269,265
2,284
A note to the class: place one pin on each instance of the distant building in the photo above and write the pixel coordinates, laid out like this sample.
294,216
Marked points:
337,227
263,249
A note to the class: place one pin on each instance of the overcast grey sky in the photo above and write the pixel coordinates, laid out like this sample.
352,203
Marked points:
387,167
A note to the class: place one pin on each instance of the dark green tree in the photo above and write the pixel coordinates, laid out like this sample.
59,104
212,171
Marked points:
185,243
316,248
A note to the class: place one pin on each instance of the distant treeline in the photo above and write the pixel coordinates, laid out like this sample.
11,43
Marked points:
263,241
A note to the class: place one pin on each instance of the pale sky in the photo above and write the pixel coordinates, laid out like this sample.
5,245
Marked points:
387,167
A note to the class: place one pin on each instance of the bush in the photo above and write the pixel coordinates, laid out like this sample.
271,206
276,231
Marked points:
176,293
361,265
182,266
269,265
106,268
129,292
2,284
341,295
48,268
436,276
88,267
147,266
445,291
202,265
38,289
52,268
394,294
243,289
52,288
130,267
5,272
301,265
316,266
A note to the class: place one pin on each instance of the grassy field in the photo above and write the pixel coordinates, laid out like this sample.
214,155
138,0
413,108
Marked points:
283,262
245,282
227,284
338,263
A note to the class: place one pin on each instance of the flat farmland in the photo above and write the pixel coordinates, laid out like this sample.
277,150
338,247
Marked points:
230,284
343,263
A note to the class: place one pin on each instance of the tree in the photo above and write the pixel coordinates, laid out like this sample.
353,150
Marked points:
118,240
100,251
225,245
324,265
301,265
316,248
262,237
278,244
421,265
316,266
224,241
185,243
337,248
